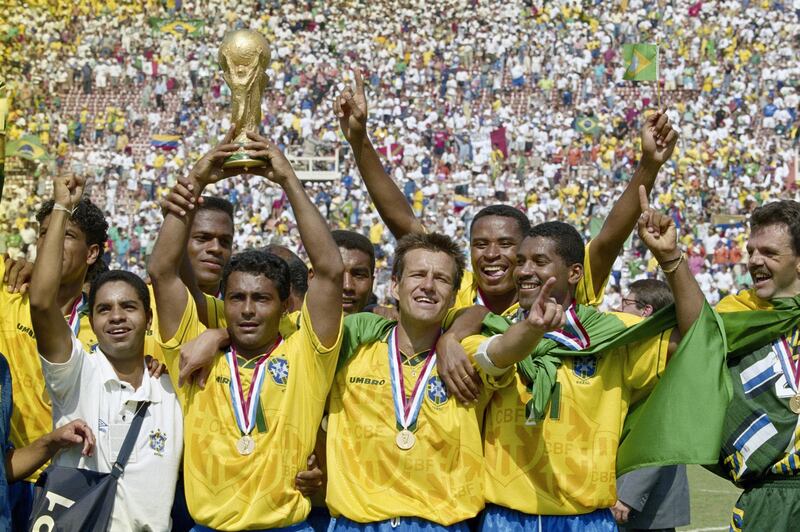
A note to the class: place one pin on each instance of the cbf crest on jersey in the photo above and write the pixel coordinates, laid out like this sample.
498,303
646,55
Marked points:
584,367
279,370
436,392
158,441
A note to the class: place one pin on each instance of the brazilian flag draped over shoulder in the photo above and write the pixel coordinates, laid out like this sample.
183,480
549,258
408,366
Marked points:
641,62
681,420
28,147
177,27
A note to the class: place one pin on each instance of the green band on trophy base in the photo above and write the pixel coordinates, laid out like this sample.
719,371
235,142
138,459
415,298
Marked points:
240,159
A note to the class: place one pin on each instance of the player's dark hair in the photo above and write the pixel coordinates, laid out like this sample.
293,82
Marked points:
355,241
122,276
213,203
569,244
298,271
786,212
87,216
259,262
504,211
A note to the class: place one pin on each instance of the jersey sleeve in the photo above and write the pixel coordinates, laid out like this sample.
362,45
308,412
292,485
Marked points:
361,328
289,324
644,364
189,329
215,309
584,292
319,360
63,380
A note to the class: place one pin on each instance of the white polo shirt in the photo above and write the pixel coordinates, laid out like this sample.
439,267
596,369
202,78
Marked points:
86,387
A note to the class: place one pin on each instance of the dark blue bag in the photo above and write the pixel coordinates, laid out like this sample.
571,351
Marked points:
69,499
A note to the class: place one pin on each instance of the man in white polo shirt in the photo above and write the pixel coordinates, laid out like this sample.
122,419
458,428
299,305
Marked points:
108,385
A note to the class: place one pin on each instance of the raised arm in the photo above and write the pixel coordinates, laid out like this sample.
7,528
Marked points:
180,200
521,339
324,296
351,110
53,336
658,233
658,143
165,263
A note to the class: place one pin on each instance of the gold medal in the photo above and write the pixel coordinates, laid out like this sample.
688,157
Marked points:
245,445
405,439
794,403
324,424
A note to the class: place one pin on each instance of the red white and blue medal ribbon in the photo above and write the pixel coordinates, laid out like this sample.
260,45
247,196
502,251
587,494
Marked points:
791,368
574,336
74,319
244,410
406,410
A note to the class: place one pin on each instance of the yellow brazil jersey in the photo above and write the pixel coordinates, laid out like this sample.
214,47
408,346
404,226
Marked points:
584,292
224,489
32,416
369,477
565,465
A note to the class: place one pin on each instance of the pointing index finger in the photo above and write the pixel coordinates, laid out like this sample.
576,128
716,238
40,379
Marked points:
359,80
544,293
644,202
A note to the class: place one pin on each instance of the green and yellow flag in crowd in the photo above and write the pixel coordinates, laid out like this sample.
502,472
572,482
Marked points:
28,147
641,62
178,28
587,124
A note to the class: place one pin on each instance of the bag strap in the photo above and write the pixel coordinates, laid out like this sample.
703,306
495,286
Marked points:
130,439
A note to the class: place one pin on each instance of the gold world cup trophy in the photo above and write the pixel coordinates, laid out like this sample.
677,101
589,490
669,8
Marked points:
243,57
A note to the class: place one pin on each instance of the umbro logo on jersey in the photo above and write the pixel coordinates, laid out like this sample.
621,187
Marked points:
367,380
223,380
26,330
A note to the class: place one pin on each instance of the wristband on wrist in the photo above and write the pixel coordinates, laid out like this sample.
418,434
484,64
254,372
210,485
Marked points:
675,267
484,361
59,207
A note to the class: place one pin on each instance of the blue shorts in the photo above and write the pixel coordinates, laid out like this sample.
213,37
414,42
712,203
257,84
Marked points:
297,527
181,520
398,524
20,500
500,519
319,518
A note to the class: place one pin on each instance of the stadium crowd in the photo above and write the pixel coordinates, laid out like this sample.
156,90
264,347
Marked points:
470,109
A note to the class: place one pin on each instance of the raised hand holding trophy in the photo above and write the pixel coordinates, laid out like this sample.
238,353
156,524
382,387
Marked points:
243,57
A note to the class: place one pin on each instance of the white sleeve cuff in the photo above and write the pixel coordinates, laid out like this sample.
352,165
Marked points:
62,378
484,362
